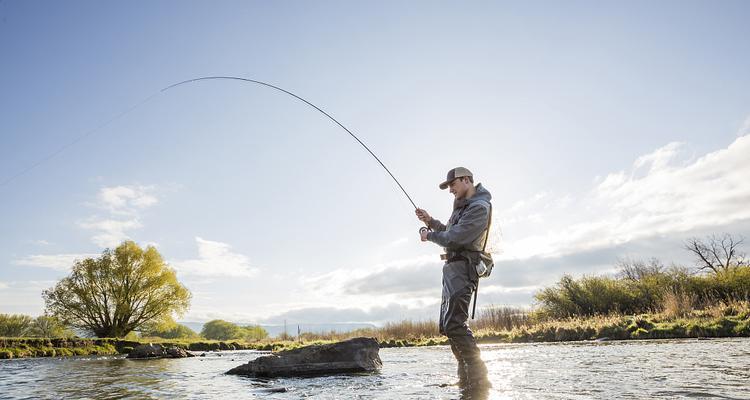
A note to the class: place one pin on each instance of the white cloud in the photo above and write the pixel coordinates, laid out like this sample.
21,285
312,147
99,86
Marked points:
110,232
124,205
659,159
400,277
745,128
126,200
60,262
3,285
657,197
215,259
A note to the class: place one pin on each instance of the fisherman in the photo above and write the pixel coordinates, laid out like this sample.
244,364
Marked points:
463,239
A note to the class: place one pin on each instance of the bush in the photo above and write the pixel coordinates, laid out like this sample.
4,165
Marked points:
15,325
674,291
170,331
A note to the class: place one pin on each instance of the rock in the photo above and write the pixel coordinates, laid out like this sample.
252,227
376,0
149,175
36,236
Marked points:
147,351
157,351
177,352
353,355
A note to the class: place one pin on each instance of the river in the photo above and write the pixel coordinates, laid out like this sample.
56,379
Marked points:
648,369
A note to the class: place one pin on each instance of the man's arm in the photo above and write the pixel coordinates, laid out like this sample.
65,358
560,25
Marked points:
466,231
436,225
432,223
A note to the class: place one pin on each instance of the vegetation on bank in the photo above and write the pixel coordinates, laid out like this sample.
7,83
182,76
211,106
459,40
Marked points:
120,291
723,320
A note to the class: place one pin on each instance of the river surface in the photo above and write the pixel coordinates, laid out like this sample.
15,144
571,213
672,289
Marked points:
648,369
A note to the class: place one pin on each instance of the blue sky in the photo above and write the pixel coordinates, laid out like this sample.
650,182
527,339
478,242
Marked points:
604,131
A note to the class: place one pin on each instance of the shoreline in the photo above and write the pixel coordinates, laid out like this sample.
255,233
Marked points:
601,328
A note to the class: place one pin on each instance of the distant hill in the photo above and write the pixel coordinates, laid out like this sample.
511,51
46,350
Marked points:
291,328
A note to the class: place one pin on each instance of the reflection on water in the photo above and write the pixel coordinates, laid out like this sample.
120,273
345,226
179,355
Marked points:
635,369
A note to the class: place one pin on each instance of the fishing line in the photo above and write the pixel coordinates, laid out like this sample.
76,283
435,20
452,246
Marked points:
149,98
77,140
311,105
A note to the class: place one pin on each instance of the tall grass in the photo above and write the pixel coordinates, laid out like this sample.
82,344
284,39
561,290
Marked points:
674,290
500,318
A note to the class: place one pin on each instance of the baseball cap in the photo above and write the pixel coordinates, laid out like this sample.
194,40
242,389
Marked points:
457,172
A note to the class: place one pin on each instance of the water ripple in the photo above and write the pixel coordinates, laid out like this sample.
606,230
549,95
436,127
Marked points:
659,369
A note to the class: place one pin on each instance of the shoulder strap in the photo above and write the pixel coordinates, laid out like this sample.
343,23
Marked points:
487,233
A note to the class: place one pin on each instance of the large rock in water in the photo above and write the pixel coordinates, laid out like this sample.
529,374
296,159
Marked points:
157,351
353,355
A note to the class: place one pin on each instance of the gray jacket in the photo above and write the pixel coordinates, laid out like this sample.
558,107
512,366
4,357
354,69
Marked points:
467,224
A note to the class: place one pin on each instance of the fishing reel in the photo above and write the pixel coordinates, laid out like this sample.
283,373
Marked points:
424,229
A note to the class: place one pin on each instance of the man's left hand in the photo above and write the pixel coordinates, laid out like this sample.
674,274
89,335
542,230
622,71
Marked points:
424,234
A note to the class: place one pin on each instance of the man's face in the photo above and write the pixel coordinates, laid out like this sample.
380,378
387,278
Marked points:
459,187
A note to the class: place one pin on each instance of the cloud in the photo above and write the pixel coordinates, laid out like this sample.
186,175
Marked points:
745,128
408,277
111,232
215,259
59,262
124,205
126,200
374,315
3,285
657,196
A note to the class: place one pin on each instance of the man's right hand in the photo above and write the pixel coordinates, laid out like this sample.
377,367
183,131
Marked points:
423,215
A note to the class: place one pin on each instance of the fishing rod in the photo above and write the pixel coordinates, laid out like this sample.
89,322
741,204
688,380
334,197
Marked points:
235,78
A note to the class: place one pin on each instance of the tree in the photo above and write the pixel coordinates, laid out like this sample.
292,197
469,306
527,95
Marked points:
118,292
49,327
254,332
168,329
15,325
717,253
221,330
638,270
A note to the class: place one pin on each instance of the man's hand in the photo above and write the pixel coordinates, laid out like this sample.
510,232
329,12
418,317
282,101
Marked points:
423,233
423,216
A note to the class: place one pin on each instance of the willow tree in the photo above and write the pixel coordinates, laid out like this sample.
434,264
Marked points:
118,292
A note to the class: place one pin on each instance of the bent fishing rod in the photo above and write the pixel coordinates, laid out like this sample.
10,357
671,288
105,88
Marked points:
234,78
306,102
247,80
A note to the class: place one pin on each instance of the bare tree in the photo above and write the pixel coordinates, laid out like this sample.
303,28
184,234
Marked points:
636,270
717,253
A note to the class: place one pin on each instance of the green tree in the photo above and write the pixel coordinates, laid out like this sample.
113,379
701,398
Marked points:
15,325
168,330
254,332
221,330
118,292
49,327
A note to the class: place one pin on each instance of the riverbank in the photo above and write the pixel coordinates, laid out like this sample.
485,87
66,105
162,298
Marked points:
644,326
63,347
713,323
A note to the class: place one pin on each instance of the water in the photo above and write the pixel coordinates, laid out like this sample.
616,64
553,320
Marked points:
665,369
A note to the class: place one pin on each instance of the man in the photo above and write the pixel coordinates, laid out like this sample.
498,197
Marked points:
463,238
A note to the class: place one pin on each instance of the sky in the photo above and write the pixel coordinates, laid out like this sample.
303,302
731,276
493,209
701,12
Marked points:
605,132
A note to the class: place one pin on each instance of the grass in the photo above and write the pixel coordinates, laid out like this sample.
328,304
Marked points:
507,325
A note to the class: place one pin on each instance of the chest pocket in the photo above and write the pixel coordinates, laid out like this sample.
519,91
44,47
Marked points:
456,216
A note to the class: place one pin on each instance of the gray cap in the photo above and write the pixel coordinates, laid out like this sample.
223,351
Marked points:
457,172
